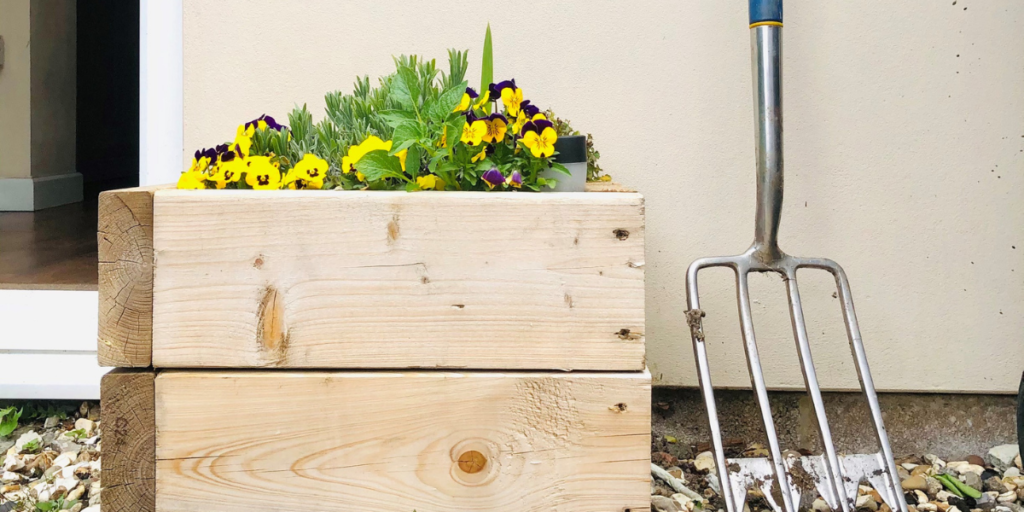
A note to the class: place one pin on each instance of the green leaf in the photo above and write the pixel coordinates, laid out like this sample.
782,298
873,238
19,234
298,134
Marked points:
31,446
406,133
405,88
397,117
560,168
378,164
412,161
412,186
439,109
487,67
47,506
9,420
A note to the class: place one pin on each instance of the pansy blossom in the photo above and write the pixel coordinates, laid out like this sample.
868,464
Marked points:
497,125
539,136
467,100
261,174
515,180
308,173
473,131
493,178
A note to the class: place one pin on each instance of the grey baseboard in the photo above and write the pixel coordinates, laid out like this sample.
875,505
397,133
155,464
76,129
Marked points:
31,194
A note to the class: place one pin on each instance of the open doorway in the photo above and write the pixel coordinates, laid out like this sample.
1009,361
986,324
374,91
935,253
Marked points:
54,247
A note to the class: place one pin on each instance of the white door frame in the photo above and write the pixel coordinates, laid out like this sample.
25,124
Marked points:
48,339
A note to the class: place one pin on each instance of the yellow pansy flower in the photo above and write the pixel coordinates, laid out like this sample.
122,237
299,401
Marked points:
227,172
538,116
496,128
467,100
261,174
540,137
481,155
401,157
483,100
473,132
355,153
521,120
512,98
243,140
311,169
191,180
430,182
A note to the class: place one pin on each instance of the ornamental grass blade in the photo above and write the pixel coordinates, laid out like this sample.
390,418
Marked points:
487,67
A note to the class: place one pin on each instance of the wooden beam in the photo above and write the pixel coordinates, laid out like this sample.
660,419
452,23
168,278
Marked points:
129,441
475,280
125,245
237,441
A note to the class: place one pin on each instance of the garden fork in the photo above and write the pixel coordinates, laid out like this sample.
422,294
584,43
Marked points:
788,480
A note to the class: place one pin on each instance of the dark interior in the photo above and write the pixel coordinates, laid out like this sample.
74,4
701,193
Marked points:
56,247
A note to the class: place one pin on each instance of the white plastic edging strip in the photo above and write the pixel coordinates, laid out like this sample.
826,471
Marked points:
161,91
52,376
48,345
48,320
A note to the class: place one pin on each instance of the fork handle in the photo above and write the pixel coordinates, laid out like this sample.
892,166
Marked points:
766,49
766,12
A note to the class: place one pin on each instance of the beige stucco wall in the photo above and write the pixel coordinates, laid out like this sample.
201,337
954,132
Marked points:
15,111
904,149
54,31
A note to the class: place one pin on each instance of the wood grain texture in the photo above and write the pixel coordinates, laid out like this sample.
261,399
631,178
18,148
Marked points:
125,248
238,441
607,186
468,280
129,441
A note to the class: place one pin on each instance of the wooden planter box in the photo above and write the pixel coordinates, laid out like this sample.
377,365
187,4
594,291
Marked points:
313,279
269,343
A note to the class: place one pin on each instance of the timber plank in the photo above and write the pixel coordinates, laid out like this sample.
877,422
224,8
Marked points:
125,249
467,280
129,440
237,441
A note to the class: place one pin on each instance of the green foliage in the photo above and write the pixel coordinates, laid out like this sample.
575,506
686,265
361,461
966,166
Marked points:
487,66
9,420
32,446
78,434
57,504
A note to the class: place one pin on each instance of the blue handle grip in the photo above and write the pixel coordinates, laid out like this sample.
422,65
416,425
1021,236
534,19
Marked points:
765,11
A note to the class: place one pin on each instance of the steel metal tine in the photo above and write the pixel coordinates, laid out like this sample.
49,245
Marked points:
760,388
832,493
866,383
704,377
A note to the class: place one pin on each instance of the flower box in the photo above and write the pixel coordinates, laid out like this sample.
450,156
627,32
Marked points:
371,279
239,441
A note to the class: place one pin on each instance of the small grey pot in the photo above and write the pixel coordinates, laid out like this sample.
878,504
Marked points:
572,153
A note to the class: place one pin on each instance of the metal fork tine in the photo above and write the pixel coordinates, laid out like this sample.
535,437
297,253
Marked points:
760,388
707,390
839,498
866,383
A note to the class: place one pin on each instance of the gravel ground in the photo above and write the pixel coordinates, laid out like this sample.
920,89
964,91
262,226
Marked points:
995,477
53,463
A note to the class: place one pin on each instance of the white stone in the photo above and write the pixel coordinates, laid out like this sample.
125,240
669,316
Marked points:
64,459
971,468
866,501
1011,472
69,471
26,438
821,505
953,509
1001,457
928,507
9,476
1007,497
13,462
76,493
683,501
943,495
67,483
934,460
85,424
921,497
92,508
705,461
51,422
909,466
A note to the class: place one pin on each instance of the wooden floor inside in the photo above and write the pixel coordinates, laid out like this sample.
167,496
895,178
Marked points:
53,248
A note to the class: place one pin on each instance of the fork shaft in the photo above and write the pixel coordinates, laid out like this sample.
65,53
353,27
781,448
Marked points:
766,46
